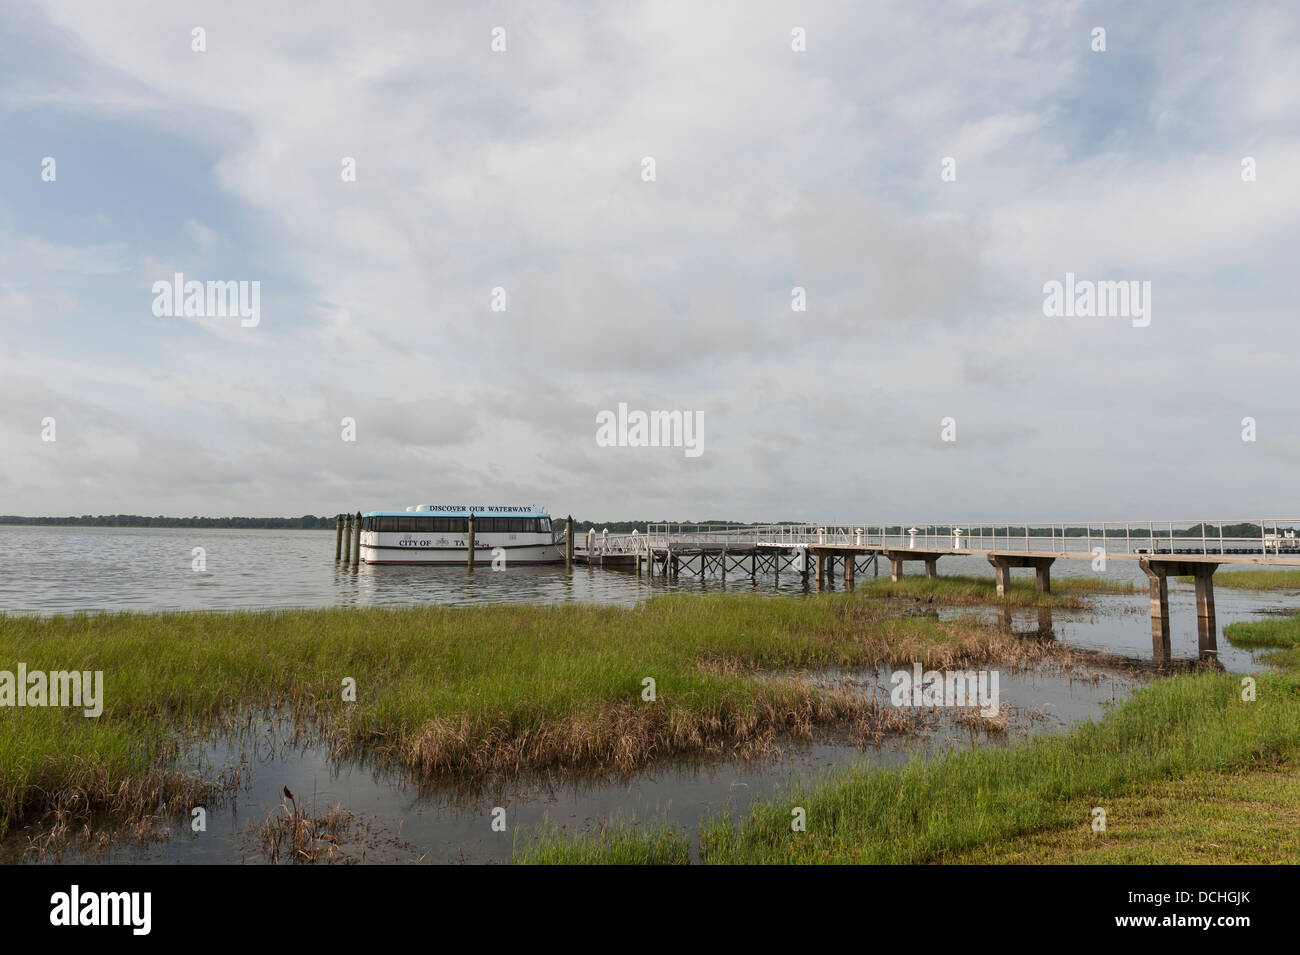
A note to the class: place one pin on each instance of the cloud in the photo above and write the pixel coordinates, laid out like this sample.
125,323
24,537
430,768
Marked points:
522,170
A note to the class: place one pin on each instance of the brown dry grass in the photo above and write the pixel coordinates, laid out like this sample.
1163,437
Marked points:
293,834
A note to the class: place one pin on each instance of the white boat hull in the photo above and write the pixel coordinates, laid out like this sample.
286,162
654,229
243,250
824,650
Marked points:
377,548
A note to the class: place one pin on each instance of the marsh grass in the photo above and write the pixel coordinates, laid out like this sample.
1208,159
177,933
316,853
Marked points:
990,804
452,691
1067,592
936,811
305,837
1195,819
618,842
1254,579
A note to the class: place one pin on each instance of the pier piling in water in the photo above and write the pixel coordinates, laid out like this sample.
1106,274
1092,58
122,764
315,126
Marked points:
338,537
568,541
356,541
470,541
347,539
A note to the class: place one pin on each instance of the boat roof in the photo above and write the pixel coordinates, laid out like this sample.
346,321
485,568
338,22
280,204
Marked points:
436,510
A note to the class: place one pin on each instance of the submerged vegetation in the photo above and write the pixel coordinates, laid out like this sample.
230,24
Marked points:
458,691
999,803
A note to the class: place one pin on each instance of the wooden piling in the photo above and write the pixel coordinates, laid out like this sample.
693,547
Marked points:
470,541
568,541
347,539
338,537
356,542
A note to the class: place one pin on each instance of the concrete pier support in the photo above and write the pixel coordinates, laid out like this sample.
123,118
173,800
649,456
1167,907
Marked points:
1002,564
1157,572
897,558
1002,574
1207,631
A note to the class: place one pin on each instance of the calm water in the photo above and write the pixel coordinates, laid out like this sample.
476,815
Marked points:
66,569
60,570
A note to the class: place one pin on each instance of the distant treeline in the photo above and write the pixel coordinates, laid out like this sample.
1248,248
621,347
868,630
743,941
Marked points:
306,522
312,522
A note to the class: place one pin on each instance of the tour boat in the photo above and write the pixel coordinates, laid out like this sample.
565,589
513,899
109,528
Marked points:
439,534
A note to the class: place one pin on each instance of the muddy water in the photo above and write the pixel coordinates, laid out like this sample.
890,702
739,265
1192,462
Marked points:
395,821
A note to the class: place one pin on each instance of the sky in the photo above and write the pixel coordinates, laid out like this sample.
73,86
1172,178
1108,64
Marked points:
447,325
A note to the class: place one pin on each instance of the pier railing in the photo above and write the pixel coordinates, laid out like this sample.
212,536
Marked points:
1276,537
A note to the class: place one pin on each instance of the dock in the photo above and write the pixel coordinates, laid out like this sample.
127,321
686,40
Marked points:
816,552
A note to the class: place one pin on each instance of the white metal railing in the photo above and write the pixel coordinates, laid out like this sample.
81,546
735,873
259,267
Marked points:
1276,538
612,544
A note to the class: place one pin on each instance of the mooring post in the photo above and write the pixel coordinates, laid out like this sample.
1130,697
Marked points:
356,542
347,539
753,564
568,541
338,537
470,540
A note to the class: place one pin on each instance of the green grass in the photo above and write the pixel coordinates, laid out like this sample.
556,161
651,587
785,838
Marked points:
990,802
972,591
619,843
1196,819
1255,579
1271,632
444,691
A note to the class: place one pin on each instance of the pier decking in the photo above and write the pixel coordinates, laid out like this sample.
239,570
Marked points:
1193,548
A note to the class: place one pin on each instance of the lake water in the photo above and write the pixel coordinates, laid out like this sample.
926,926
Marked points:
47,570
61,569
